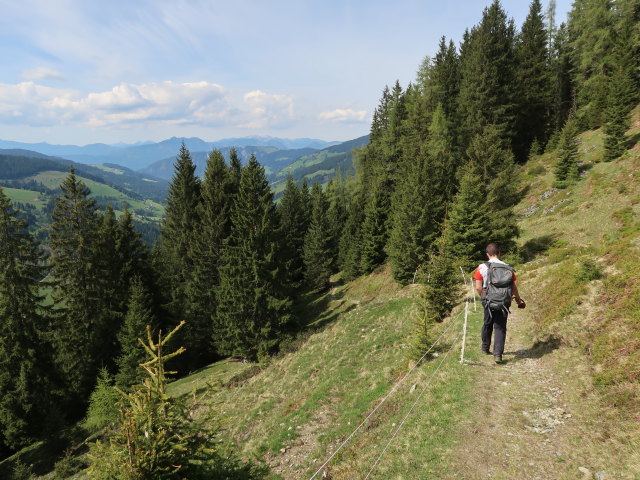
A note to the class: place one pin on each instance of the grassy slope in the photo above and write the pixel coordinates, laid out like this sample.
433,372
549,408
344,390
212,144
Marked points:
293,413
53,179
299,408
24,196
596,220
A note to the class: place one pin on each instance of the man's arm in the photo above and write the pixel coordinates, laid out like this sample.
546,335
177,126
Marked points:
515,292
479,286
514,289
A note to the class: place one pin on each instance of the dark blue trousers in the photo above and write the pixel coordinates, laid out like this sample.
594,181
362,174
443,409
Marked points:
495,321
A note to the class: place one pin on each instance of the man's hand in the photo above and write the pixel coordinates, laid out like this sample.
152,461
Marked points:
521,303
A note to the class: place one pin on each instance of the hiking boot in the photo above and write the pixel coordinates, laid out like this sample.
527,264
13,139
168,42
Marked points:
486,352
498,358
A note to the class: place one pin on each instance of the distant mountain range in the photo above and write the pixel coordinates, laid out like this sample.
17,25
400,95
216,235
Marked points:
146,168
140,155
271,158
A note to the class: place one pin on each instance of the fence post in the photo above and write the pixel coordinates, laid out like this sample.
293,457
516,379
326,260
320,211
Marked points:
464,331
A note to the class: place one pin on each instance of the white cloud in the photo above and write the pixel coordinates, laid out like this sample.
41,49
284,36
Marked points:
265,109
344,115
170,103
43,74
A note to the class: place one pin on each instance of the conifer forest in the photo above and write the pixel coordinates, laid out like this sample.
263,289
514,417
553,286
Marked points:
84,306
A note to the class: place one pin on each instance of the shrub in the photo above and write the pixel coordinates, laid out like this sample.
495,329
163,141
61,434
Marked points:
67,466
103,403
588,271
157,436
21,471
537,170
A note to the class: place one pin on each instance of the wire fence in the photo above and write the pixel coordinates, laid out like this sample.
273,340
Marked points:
452,323
395,433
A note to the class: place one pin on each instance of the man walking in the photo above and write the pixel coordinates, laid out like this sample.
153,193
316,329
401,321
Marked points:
496,284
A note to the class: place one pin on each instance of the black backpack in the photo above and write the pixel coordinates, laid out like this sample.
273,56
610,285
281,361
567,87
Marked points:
497,295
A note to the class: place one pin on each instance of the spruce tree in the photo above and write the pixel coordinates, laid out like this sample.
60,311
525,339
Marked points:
391,141
592,47
135,260
374,228
103,403
112,284
487,87
420,199
139,315
77,290
305,195
235,172
439,83
406,246
439,296
533,81
205,250
380,120
317,243
562,87
502,185
133,256
294,224
336,215
177,232
156,436
350,248
566,168
444,162
27,409
617,115
253,308
467,231
627,40
441,286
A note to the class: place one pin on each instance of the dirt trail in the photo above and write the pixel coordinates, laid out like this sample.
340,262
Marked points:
532,420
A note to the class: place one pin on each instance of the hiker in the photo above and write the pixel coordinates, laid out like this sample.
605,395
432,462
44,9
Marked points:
496,284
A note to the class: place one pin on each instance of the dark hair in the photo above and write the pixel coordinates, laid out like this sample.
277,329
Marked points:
493,249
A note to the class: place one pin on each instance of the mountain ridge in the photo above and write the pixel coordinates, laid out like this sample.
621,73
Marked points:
142,154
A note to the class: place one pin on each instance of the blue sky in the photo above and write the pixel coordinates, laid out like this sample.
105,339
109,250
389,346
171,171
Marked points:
85,71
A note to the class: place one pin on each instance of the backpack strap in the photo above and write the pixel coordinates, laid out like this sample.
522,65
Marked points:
488,264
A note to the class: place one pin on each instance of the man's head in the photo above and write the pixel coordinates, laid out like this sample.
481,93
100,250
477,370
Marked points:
493,250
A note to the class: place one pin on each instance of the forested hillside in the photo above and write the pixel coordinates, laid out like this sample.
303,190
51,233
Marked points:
494,136
32,182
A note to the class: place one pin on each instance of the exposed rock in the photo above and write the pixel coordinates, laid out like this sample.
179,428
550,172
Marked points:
527,212
554,206
548,194
585,471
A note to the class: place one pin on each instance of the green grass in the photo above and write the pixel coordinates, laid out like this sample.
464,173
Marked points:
298,407
108,169
308,160
214,376
154,211
24,196
586,292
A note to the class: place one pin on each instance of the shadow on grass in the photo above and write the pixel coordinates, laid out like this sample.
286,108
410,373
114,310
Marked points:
585,167
230,467
631,140
315,311
536,246
538,350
